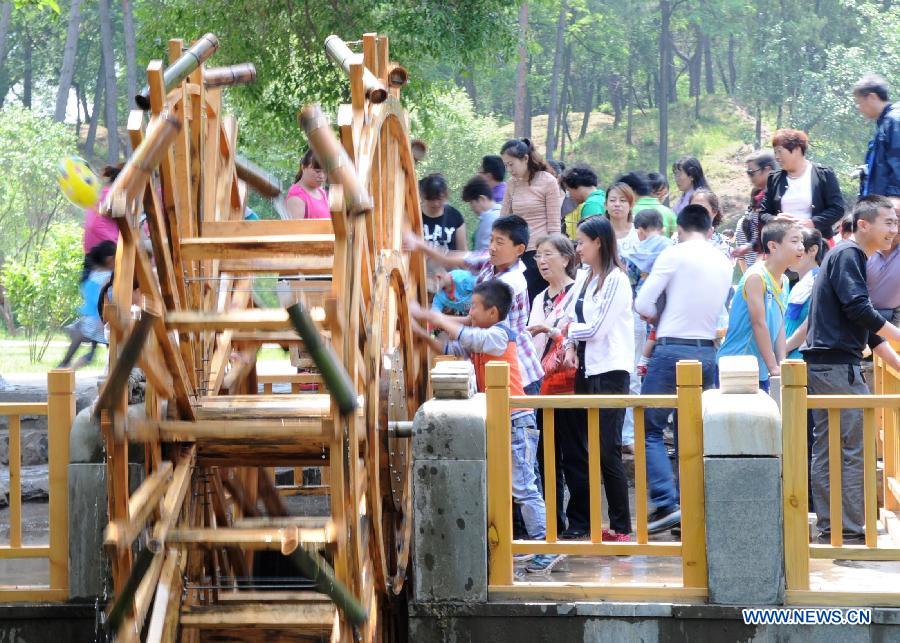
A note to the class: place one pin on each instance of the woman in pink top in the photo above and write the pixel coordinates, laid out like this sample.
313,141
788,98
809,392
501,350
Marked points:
98,228
533,194
307,199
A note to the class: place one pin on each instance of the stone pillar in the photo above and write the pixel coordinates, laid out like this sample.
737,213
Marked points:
742,479
450,501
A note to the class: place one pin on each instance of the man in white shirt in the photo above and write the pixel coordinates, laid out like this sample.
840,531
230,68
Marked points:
696,278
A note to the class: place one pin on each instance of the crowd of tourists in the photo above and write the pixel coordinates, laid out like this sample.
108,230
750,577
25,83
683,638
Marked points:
587,289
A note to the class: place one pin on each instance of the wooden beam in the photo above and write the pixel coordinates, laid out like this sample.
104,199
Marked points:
143,502
280,265
310,618
267,228
256,319
257,539
278,431
199,248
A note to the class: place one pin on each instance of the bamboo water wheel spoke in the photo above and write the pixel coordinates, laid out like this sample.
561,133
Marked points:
183,544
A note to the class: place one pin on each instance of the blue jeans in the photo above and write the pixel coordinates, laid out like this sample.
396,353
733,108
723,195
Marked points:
660,380
524,481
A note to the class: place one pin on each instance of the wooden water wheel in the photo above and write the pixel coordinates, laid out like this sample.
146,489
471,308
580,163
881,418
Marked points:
185,543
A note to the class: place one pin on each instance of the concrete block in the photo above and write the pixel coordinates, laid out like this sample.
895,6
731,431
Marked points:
744,537
450,533
88,516
740,425
450,430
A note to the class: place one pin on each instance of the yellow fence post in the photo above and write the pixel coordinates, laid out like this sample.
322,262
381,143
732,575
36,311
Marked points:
60,415
794,476
499,474
689,379
890,385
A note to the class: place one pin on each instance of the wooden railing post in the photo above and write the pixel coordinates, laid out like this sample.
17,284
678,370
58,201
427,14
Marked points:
795,474
689,379
499,474
60,415
890,420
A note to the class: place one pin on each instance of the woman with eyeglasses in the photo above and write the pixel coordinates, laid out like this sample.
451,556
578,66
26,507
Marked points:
547,324
600,344
689,176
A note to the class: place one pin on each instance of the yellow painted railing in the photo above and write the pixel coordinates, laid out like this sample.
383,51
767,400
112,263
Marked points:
798,550
60,411
691,549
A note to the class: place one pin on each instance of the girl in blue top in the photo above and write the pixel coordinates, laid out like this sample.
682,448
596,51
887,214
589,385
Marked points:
756,322
796,317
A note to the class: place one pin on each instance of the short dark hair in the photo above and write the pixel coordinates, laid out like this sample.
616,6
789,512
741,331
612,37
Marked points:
309,159
493,165
433,186
694,218
639,183
871,84
791,139
657,181
847,224
514,227
476,188
580,176
812,238
868,207
495,294
713,201
775,231
761,159
98,255
648,220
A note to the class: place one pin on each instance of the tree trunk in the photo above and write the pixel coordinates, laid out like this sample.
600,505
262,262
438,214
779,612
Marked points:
614,86
529,110
728,90
561,125
67,73
695,65
520,117
95,112
707,63
780,115
665,71
77,110
732,66
130,65
27,51
553,109
467,80
588,108
758,143
5,14
629,118
109,64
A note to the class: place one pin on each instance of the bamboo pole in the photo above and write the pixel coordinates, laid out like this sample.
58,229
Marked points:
257,178
242,74
137,171
182,68
313,566
333,372
334,160
114,385
126,596
338,51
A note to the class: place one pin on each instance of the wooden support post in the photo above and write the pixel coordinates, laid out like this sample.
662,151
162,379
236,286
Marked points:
689,378
60,415
499,471
794,476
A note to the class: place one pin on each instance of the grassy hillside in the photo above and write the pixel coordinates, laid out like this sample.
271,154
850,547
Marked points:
721,138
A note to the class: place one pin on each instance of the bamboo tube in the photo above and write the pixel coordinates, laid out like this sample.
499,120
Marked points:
397,76
182,68
343,57
242,74
114,387
336,378
334,160
126,596
257,178
313,566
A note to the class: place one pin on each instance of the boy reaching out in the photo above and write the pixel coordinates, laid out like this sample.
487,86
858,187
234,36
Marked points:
488,339
756,322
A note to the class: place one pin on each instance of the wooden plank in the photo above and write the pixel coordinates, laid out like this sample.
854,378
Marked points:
25,551
273,538
794,475
200,248
870,466
499,472
854,552
255,319
292,407
596,492
266,337
640,475
23,408
60,416
689,378
843,599
283,432
32,593
585,548
15,481
835,459
267,228
529,592
891,401
311,618
163,625
594,401
143,502
549,434
281,265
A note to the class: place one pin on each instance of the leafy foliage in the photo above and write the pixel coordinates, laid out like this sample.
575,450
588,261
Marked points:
44,289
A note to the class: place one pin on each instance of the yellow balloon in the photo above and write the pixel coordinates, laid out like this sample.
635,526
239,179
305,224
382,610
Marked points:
77,182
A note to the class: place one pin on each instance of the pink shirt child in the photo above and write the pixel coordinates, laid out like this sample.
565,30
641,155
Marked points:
97,227
316,206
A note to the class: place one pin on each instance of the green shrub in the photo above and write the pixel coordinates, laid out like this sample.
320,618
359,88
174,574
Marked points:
44,289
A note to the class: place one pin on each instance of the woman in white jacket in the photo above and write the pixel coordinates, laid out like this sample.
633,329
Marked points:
601,345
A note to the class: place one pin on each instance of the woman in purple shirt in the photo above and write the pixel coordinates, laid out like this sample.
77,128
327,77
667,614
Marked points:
688,177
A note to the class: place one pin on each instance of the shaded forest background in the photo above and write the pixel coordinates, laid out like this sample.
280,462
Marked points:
618,84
